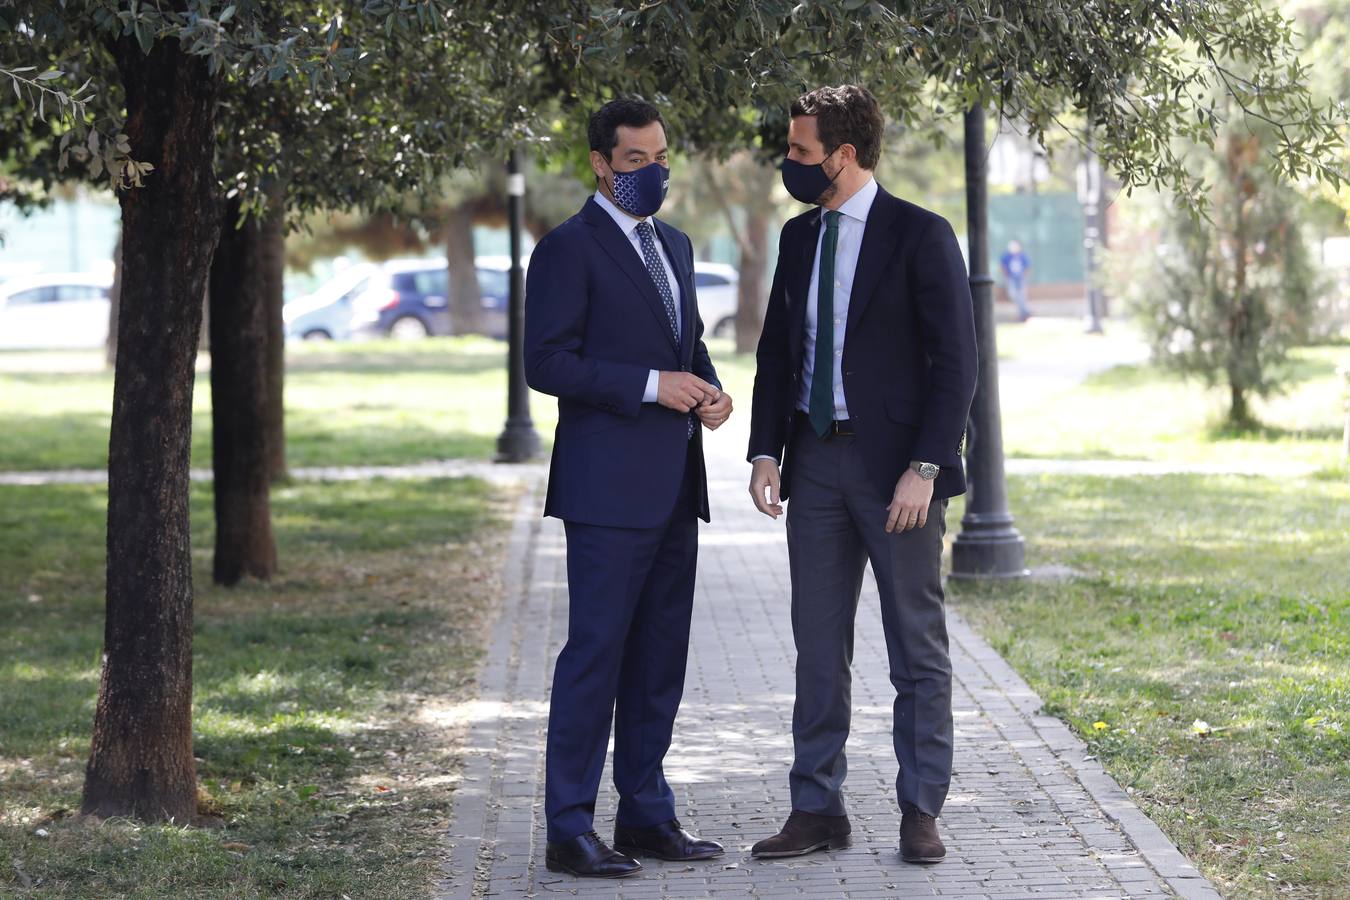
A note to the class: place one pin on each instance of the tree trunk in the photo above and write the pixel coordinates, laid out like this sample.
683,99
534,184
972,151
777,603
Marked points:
751,296
240,401
466,299
274,270
140,760
1239,414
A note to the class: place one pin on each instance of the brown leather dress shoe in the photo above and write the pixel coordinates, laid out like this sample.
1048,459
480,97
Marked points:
803,833
919,841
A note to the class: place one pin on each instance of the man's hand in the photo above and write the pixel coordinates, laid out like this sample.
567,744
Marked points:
909,506
764,487
683,391
713,413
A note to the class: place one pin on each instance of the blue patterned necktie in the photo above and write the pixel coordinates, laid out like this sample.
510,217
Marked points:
657,271
658,274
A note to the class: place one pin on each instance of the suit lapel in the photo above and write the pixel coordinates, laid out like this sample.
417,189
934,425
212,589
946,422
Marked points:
798,279
685,278
878,246
626,259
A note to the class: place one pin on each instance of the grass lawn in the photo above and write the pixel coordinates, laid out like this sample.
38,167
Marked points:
321,699
1204,655
387,403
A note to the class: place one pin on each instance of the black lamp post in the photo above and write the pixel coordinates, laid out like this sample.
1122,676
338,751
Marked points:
988,545
518,442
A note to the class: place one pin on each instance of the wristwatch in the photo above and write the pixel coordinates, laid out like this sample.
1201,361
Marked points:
927,471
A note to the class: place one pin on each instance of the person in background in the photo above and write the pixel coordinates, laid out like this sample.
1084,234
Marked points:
1015,265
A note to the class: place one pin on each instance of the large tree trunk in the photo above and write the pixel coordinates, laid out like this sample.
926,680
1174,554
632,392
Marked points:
274,270
140,760
751,297
466,299
240,398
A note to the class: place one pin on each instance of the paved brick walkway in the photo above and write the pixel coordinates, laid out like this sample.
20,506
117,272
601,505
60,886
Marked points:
1028,815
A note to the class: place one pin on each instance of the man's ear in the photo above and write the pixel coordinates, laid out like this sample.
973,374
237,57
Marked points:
598,164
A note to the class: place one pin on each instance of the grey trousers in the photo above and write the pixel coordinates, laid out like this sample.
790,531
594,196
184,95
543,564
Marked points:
836,523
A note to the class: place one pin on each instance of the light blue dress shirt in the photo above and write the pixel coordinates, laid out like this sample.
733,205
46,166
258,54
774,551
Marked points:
628,225
852,222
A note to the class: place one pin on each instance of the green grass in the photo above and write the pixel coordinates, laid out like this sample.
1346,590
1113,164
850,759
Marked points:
1224,601
1141,412
377,403
386,403
317,696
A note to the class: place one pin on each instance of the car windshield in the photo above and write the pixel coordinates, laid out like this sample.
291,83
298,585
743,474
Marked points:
341,284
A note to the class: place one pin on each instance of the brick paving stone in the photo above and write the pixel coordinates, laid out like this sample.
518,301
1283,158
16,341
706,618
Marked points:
1029,815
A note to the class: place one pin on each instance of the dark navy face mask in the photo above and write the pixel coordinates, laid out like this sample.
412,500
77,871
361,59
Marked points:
807,182
641,191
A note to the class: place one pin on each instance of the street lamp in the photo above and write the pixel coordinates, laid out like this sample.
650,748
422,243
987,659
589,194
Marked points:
518,442
988,545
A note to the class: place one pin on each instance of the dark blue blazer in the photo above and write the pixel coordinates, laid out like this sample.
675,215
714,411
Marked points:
909,349
594,327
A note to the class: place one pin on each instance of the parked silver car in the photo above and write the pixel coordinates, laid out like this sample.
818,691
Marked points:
718,287
54,311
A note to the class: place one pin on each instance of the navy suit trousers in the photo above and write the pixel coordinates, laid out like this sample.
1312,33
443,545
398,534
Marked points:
630,599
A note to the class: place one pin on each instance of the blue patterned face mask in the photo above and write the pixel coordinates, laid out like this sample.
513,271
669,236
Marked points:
641,191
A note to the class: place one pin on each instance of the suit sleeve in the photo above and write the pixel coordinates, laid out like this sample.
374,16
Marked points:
702,363
556,300
947,321
771,402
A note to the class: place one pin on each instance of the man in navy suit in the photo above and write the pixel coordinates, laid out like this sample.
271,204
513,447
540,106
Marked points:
612,330
866,371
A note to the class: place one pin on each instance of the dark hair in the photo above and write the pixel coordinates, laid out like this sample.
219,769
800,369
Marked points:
847,114
603,129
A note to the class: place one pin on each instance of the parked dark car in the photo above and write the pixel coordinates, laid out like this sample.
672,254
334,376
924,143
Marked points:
409,299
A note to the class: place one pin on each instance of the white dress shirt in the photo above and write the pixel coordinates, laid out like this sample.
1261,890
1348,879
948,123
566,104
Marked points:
852,222
628,225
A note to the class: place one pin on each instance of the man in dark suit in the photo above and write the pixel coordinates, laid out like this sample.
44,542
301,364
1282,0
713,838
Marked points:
612,330
866,371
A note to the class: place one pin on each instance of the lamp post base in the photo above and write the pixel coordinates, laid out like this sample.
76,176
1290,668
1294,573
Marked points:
518,443
988,547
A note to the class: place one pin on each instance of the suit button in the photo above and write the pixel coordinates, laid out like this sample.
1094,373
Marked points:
684,368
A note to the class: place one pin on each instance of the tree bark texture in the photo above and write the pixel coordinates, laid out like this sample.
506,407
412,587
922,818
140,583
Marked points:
466,298
274,270
240,401
751,296
140,761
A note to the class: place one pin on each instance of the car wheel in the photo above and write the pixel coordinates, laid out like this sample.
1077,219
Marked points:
726,328
408,328
317,334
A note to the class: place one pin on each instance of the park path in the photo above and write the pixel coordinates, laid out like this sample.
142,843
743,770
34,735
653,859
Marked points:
1030,813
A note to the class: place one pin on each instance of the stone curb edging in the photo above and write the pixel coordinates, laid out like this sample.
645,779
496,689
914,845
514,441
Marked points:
471,836
1153,845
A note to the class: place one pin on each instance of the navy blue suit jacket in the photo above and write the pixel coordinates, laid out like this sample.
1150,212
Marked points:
909,360
594,328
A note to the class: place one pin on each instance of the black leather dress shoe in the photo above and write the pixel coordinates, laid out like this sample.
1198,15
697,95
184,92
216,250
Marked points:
666,841
804,832
586,856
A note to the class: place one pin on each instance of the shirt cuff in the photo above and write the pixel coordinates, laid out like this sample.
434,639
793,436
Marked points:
755,459
653,387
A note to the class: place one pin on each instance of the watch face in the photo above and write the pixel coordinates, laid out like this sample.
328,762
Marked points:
928,471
